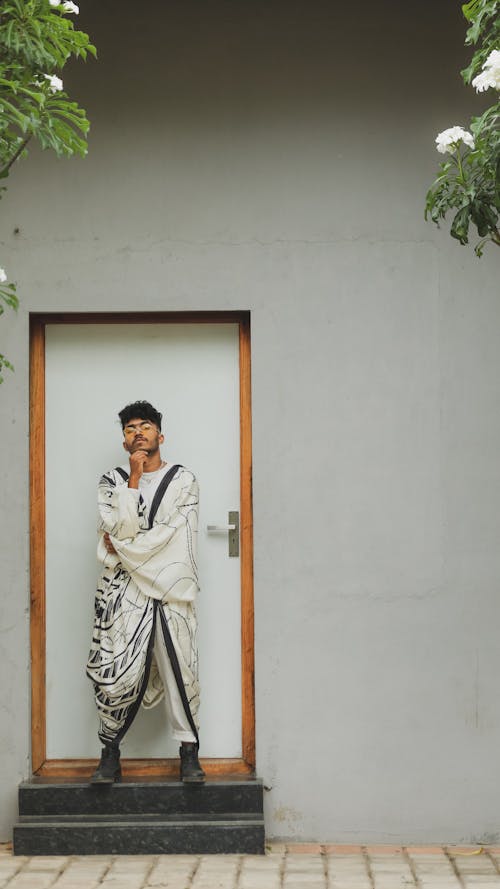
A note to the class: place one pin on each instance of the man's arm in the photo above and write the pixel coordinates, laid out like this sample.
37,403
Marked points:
162,560
117,513
118,507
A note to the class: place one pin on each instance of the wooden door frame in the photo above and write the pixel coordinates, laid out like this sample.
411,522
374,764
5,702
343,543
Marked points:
134,767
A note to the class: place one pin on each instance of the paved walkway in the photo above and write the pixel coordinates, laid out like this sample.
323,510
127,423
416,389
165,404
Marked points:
298,866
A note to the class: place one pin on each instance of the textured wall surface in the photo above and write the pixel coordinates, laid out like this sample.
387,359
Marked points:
275,157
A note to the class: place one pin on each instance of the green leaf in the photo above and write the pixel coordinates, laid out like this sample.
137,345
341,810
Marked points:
460,226
483,217
8,296
469,9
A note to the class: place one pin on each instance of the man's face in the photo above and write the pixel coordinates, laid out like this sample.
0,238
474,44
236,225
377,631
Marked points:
141,435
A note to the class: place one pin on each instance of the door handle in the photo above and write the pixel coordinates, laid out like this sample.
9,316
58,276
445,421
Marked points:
221,527
232,529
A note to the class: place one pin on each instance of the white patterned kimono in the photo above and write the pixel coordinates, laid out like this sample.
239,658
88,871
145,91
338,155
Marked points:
152,578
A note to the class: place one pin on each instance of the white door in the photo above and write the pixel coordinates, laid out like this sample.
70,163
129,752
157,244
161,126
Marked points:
189,372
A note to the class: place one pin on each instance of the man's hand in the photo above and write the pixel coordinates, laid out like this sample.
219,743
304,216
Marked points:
107,543
137,461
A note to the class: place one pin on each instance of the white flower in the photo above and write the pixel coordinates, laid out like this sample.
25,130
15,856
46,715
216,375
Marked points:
67,5
490,75
3,276
450,139
56,83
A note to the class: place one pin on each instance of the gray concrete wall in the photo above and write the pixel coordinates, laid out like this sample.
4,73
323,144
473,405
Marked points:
275,157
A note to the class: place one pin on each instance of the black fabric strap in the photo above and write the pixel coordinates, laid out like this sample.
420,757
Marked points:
169,645
176,669
162,487
160,491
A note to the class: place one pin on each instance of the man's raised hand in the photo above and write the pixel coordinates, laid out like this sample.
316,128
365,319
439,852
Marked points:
137,461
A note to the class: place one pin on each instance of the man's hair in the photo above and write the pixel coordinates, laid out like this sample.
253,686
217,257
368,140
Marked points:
140,410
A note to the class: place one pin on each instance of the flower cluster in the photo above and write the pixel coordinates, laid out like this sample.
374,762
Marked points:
55,83
67,5
450,139
490,75
3,276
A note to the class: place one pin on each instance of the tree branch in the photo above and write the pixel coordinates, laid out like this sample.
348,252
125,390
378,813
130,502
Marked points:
15,156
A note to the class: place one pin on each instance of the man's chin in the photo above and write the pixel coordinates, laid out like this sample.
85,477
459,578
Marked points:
141,446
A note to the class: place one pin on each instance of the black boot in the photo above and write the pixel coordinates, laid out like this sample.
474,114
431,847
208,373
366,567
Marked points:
109,769
191,771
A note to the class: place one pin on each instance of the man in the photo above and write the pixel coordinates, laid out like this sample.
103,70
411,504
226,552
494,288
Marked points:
144,639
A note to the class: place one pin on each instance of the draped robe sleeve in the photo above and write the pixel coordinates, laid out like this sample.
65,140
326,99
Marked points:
160,560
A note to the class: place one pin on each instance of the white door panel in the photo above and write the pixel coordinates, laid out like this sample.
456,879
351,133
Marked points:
190,372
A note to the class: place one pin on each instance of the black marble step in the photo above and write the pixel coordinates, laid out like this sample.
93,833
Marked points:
67,817
51,797
133,835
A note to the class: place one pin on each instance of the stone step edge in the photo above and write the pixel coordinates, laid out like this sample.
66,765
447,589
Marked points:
146,820
39,785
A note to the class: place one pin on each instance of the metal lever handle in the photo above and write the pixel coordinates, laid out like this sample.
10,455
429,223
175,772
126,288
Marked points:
233,532
221,527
